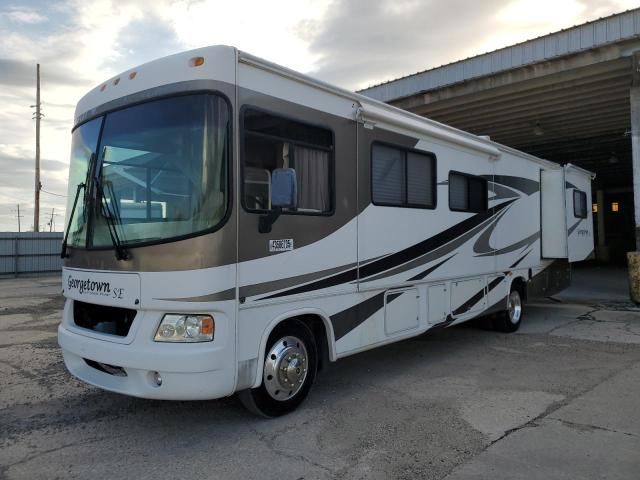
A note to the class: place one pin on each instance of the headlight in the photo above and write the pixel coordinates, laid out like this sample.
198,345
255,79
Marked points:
185,328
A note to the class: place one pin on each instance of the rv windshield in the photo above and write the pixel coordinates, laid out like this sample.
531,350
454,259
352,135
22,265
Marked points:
162,169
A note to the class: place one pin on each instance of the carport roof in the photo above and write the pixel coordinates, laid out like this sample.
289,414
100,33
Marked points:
590,35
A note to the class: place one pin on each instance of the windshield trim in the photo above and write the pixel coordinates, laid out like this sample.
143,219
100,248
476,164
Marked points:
229,166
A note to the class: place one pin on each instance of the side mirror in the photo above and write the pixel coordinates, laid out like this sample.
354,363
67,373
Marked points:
284,194
284,188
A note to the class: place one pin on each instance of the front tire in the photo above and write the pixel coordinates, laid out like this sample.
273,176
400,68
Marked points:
289,370
509,321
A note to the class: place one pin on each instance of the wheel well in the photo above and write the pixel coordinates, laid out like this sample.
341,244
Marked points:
319,331
520,284
317,327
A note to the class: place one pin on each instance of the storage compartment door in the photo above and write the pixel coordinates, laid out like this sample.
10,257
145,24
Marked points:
401,311
553,223
437,303
468,296
579,216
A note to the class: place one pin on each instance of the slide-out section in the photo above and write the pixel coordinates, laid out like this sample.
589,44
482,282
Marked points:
565,212
552,214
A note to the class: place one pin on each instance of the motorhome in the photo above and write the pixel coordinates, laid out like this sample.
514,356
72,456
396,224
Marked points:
233,226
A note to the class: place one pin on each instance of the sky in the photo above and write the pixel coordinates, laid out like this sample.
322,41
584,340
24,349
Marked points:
350,43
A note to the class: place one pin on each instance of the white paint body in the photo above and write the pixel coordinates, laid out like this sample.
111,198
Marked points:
233,361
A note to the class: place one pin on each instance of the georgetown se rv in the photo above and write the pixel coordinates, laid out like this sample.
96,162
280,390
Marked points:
233,226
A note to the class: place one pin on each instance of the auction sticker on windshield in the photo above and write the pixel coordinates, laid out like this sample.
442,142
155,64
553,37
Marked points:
104,288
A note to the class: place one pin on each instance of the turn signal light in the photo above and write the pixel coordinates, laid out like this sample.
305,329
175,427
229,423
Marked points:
207,327
196,61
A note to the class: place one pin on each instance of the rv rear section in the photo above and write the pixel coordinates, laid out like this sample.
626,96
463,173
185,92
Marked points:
233,226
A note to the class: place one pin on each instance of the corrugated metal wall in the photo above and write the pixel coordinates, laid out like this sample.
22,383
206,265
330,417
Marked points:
30,252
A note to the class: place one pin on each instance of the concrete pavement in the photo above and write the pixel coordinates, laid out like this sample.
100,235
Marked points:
555,400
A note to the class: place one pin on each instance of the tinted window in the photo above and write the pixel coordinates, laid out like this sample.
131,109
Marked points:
272,142
467,193
164,169
83,146
579,204
402,178
160,171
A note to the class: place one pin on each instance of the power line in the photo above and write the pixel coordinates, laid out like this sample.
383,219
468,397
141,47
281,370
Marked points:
51,193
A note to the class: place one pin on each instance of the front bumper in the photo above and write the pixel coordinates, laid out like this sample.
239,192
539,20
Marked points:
188,371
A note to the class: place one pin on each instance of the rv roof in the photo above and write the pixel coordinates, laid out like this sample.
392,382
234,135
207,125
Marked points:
153,73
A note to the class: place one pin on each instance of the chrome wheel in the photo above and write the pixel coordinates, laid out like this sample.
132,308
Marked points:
514,307
285,368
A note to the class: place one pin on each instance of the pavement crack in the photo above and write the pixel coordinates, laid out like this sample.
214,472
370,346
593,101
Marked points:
564,325
5,468
269,442
554,407
588,427
589,315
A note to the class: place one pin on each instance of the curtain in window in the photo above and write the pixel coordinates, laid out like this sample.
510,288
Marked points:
419,179
387,174
214,176
312,171
458,192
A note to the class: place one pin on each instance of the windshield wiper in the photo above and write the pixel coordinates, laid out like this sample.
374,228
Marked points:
63,252
81,186
121,252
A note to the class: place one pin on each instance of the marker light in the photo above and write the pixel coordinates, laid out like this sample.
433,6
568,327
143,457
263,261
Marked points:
132,75
196,61
185,328
116,81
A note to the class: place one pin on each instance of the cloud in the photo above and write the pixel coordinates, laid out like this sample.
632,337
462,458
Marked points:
352,43
141,40
362,42
23,15
19,73
19,170
17,187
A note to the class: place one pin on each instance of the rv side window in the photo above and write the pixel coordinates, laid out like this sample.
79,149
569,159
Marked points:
579,204
271,142
402,178
467,193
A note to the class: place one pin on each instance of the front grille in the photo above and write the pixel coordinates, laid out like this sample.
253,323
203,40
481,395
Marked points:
100,318
106,368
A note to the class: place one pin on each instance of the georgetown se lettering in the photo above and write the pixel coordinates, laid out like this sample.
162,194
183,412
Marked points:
94,288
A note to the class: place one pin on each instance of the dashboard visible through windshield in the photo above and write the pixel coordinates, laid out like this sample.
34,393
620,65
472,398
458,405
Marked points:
161,171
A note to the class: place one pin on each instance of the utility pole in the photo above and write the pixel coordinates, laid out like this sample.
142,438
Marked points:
19,217
51,221
38,185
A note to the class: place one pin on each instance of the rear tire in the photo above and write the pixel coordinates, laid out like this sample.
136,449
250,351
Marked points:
509,321
290,366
